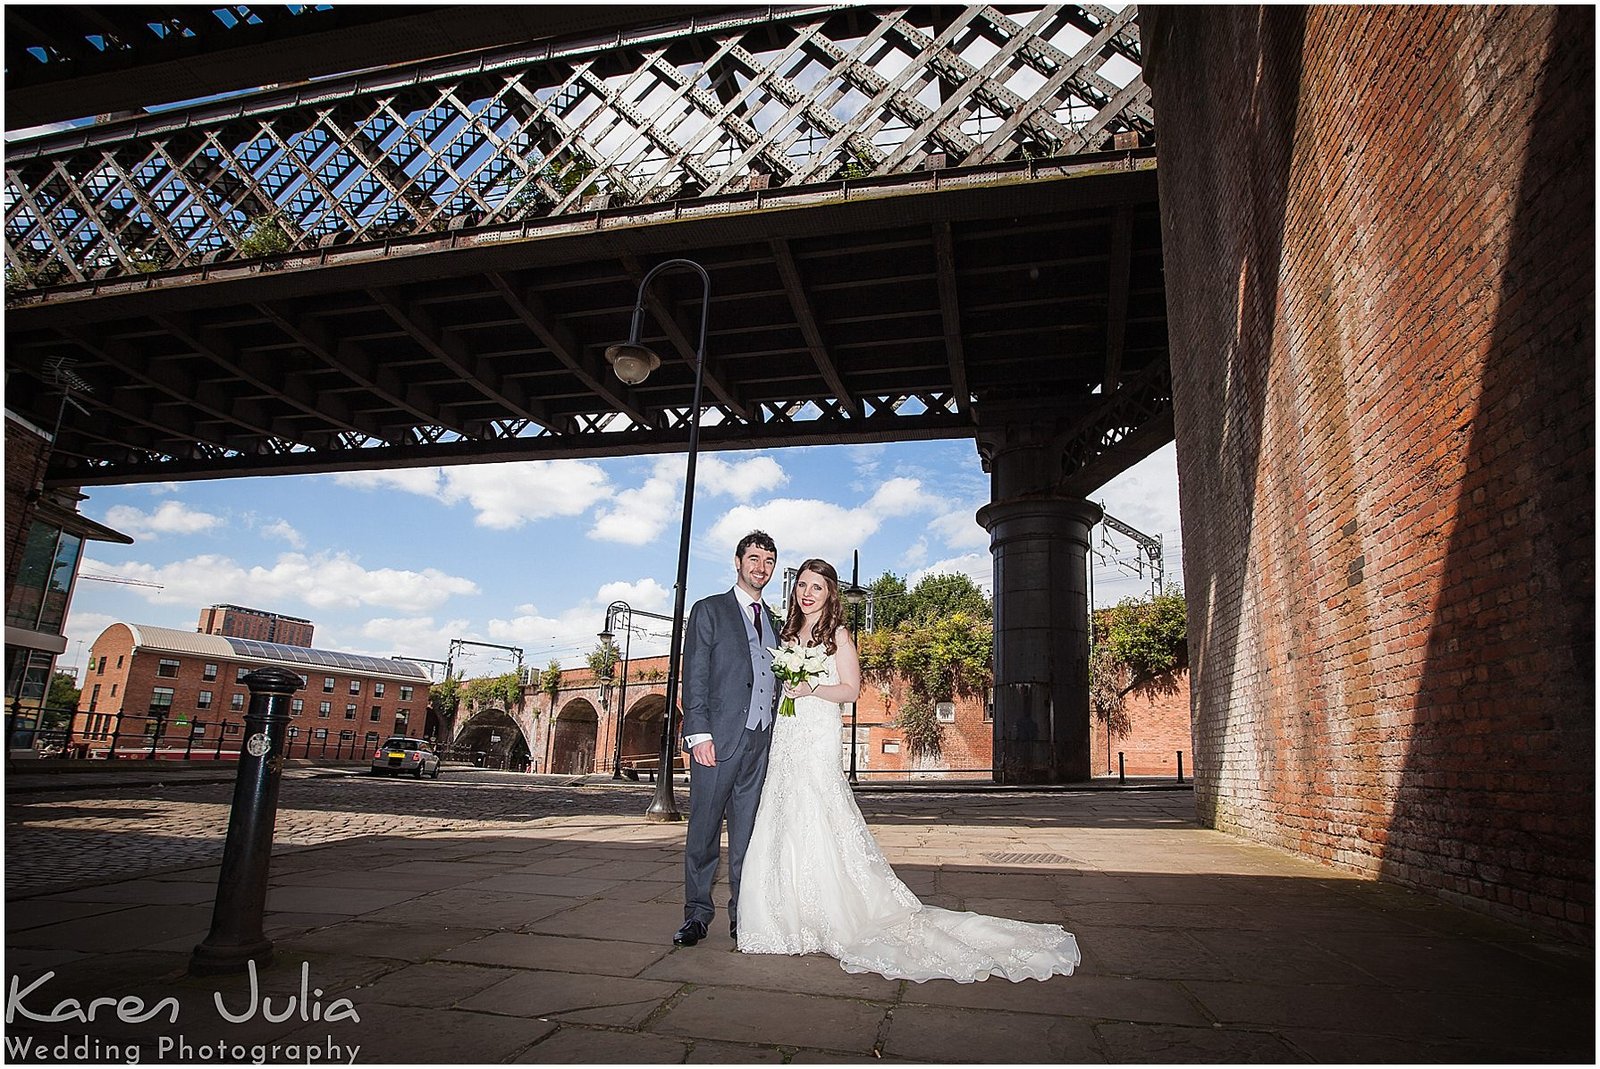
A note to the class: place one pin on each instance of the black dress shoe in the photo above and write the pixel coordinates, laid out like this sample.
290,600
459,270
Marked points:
690,934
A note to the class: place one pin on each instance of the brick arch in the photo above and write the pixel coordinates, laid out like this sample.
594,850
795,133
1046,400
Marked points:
475,737
574,737
641,723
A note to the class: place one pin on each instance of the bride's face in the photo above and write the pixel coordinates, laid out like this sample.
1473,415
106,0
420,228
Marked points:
811,593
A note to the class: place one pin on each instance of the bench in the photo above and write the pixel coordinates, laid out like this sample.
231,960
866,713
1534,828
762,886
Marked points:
649,764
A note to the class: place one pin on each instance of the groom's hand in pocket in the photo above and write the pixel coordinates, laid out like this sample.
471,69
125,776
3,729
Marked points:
704,753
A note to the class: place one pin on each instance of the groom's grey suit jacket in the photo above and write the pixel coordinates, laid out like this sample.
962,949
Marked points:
717,676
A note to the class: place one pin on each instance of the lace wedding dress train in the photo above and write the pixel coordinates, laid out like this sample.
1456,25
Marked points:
814,879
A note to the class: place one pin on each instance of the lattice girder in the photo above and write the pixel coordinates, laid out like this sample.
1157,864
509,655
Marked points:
698,109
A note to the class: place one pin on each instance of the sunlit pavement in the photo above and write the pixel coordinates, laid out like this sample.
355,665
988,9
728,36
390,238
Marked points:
492,917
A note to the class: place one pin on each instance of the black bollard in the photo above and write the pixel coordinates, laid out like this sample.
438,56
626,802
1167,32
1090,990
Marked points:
236,937
1180,766
1122,769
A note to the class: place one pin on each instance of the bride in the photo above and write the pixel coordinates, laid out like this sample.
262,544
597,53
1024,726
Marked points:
814,877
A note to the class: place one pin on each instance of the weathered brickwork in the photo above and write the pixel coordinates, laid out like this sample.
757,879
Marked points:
1379,241
1157,728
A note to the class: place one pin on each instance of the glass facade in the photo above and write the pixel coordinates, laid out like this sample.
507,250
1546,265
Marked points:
44,580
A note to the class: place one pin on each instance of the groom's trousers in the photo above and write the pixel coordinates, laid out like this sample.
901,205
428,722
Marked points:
729,789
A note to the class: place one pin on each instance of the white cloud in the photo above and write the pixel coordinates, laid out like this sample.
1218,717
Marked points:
978,566
1146,496
960,528
637,516
169,517
802,528
512,494
644,594
410,636
740,480
423,481
284,530
321,581
901,497
505,495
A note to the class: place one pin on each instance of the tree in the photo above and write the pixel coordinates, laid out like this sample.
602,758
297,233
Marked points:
502,690
61,699
1138,646
939,596
889,603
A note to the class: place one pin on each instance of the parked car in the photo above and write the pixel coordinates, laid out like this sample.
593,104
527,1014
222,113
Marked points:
400,755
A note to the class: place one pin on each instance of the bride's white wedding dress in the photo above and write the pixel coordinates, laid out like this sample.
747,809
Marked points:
814,879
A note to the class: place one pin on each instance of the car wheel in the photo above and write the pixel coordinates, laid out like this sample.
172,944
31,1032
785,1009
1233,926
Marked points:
418,772
435,771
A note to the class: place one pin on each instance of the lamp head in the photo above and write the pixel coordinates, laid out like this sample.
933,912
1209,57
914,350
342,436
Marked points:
852,594
606,636
632,362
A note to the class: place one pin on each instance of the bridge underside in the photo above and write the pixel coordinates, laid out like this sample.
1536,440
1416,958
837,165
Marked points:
875,310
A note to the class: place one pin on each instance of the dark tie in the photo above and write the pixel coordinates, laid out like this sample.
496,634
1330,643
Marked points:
755,614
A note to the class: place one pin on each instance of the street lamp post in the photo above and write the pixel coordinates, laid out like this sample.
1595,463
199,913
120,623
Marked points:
608,634
854,595
633,362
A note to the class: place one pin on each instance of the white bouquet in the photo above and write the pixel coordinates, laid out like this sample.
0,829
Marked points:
794,664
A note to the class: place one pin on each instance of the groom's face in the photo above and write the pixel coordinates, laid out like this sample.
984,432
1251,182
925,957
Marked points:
755,566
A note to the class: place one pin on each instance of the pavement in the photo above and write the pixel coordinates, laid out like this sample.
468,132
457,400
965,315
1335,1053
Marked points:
501,918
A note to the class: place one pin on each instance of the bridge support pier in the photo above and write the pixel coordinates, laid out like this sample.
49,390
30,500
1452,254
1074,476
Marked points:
1040,540
1041,637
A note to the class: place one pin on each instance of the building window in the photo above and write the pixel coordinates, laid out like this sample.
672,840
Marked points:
405,694
204,700
400,719
198,730
38,597
945,712
160,700
891,745
210,673
113,689
94,697
119,660
297,706
168,668
232,729
294,733
320,733
239,674
236,703
376,714
350,711
355,686
323,709
372,738
327,684
377,690
101,670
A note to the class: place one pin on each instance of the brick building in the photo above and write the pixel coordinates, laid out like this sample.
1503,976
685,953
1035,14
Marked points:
236,621
182,693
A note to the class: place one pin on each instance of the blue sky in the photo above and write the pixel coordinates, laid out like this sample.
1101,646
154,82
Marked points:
529,554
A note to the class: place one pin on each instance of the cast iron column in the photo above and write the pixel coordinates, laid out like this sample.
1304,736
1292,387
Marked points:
1041,638
236,935
1040,541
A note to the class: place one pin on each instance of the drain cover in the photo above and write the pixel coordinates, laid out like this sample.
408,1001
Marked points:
1028,859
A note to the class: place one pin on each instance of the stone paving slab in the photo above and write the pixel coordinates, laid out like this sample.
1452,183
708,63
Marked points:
533,924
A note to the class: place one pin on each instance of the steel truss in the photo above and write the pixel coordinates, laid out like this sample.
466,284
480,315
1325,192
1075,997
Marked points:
715,105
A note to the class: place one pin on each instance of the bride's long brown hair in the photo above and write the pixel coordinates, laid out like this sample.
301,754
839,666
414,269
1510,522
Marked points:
832,617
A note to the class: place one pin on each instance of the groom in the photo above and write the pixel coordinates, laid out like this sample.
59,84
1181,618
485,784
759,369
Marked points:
729,698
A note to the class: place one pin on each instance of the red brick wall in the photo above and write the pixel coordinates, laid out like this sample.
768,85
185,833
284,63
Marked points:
1379,243
1156,729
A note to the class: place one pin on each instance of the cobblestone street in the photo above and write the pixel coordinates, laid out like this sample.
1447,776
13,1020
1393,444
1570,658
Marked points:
56,841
